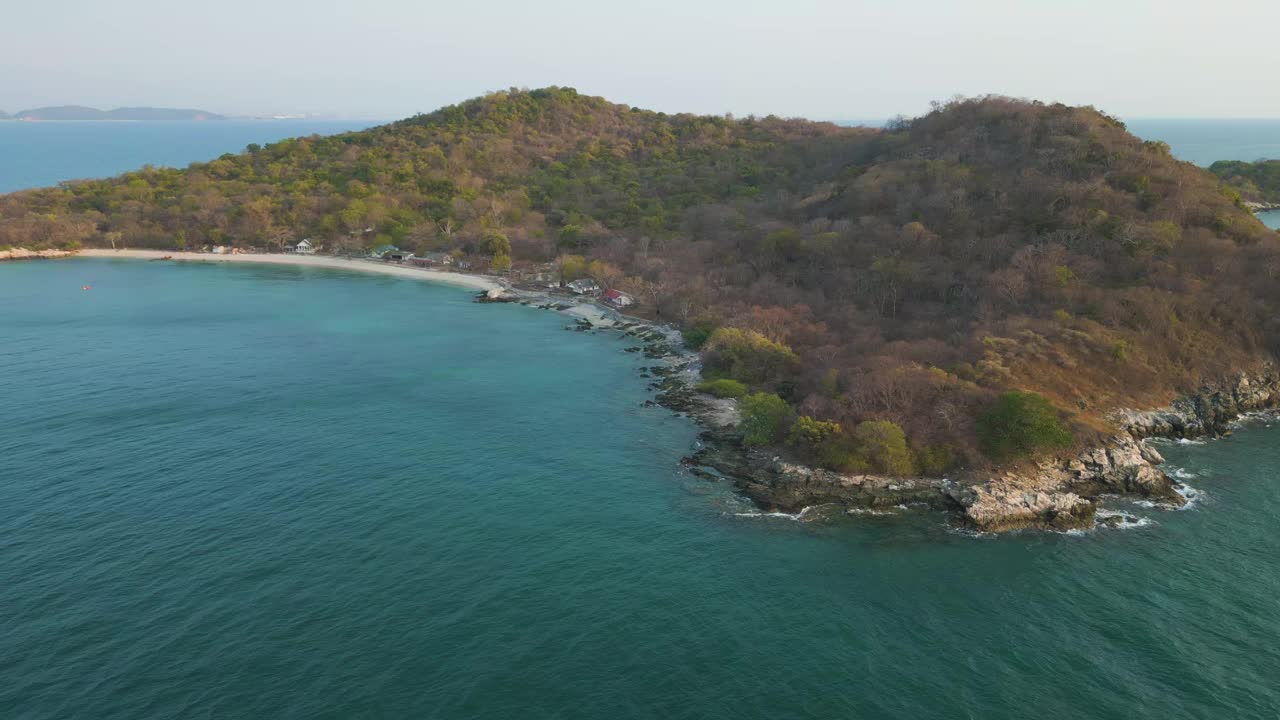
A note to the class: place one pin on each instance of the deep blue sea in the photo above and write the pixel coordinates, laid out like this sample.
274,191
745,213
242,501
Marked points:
272,492
34,154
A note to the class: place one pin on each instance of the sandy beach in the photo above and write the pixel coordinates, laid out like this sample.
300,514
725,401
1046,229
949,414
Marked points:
478,282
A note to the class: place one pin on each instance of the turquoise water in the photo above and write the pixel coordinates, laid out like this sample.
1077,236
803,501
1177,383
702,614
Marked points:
251,492
1270,218
46,153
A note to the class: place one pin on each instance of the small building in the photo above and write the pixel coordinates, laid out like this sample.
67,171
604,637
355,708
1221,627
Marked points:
618,299
584,286
398,255
219,250
382,250
438,258
304,247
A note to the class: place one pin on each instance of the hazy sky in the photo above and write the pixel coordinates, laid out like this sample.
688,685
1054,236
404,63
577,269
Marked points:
851,59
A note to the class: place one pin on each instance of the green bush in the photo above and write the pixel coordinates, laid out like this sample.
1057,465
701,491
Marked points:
749,356
826,444
723,388
808,433
936,459
765,417
696,335
1021,424
1120,349
884,446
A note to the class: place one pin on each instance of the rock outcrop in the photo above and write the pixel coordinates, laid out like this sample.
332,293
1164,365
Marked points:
1057,494
1010,504
780,486
25,254
497,295
1062,493
1210,411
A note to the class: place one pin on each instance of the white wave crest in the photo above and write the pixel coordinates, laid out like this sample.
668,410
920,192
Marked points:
788,516
872,511
1127,522
1193,496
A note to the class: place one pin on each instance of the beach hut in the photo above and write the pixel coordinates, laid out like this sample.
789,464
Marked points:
304,247
584,286
618,299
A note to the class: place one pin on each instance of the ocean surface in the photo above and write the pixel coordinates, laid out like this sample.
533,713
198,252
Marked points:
1205,141
255,492
35,154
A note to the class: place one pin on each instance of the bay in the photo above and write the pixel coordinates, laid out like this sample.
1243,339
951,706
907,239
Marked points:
243,492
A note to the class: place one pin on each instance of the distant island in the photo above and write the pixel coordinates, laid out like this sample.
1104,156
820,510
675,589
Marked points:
80,113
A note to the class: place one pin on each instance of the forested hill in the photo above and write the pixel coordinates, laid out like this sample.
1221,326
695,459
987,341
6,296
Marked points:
1258,182
890,287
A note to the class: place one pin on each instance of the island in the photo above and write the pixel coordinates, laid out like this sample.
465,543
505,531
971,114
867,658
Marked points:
79,113
987,309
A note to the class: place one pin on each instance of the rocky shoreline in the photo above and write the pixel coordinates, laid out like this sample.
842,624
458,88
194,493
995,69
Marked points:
1057,494
25,254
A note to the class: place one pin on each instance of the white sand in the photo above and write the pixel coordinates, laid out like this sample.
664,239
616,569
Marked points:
479,282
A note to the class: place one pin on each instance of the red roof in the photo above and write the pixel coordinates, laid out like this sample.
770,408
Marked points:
613,294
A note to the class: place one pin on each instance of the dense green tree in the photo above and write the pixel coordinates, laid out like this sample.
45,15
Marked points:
765,418
1021,424
723,388
884,445
749,356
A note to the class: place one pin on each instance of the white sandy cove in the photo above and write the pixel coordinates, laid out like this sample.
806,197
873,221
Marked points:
478,282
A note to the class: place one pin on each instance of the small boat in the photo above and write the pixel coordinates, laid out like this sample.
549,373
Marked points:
86,287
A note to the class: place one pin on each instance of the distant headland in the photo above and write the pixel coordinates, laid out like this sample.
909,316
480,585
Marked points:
80,113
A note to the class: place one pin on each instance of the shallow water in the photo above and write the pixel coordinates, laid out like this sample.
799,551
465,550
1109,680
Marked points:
248,492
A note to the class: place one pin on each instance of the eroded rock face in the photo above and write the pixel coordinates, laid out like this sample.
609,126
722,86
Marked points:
1124,467
1009,504
1209,411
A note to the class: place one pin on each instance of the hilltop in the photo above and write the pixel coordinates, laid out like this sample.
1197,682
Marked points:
79,113
901,300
